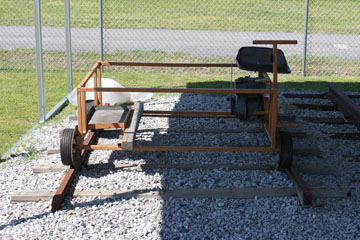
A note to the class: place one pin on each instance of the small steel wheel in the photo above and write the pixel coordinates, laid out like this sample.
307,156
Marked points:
65,146
239,106
69,154
286,150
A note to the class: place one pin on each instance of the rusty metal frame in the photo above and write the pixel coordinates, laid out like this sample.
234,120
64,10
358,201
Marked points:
270,107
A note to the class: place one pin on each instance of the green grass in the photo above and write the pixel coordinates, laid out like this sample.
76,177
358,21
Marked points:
19,110
331,16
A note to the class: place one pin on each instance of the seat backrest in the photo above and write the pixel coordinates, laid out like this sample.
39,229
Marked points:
260,59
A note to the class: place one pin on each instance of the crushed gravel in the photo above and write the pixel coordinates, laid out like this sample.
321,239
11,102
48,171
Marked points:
197,218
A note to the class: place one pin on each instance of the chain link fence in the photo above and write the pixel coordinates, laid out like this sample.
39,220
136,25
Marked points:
198,31
334,38
182,31
85,34
17,62
18,73
203,31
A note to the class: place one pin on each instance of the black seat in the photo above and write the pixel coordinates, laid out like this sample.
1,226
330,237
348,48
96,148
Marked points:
260,59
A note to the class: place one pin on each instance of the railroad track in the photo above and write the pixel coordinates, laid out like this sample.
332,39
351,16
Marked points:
301,189
340,102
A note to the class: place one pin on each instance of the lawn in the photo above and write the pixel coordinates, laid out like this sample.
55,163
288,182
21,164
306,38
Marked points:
19,108
332,16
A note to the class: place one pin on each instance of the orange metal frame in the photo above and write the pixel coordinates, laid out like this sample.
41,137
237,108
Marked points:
270,104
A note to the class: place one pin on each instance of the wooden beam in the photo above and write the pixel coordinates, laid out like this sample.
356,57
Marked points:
307,150
32,196
355,136
244,193
318,170
50,168
317,107
326,120
129,134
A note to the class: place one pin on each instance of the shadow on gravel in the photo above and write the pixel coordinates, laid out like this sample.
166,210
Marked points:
15,222
204,218
207,218
189,218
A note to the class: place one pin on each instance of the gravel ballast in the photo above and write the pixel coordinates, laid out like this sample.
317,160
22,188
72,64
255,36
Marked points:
186,218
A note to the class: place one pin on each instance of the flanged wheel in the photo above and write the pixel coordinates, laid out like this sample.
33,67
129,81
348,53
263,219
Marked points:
69,154
239,106
286,150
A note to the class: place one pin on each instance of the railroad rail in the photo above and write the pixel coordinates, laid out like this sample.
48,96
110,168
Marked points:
340,102
344,104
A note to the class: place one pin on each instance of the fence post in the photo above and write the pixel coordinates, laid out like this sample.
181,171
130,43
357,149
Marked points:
305,37
39,61
68,45
101,30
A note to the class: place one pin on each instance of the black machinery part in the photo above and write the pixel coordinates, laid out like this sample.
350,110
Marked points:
260,59
89,108
238,106
70,139
65,146
244,105
68,152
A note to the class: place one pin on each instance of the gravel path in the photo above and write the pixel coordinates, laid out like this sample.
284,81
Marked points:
140,218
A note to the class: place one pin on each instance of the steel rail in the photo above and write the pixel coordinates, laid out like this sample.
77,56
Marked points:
303,191
62,190
344,104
